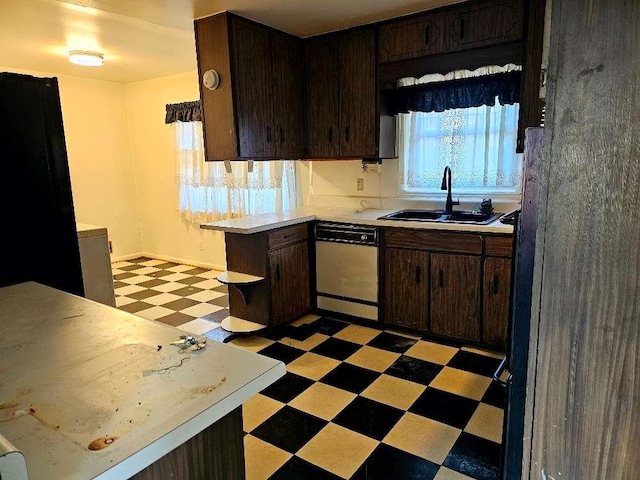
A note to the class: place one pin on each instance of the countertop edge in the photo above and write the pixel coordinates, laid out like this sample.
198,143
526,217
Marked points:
260,228
495,227
165,444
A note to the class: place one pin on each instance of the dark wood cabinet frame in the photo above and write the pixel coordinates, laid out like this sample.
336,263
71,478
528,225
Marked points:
456,246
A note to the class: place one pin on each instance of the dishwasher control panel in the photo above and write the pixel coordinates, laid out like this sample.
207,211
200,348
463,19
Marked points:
346,233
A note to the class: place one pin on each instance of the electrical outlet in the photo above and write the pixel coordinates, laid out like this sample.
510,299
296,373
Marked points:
360,184
110,246
370,167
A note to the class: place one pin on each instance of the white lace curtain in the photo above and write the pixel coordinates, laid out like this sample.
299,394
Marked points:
208,193
478,143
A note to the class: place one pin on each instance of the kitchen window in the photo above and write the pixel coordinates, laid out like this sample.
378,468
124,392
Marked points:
467,120
479,144
207,192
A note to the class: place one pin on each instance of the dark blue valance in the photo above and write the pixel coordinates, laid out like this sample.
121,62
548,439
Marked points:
447,95
183,112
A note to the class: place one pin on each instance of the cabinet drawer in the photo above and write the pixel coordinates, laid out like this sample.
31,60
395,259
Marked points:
498,246
433,241
288,236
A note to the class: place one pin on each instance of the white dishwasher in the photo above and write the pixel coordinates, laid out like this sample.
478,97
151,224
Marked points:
347,269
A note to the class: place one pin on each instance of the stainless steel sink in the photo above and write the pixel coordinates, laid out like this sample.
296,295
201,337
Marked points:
416,215
460,216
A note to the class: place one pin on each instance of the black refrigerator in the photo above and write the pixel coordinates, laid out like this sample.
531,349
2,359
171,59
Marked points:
517,357
39,240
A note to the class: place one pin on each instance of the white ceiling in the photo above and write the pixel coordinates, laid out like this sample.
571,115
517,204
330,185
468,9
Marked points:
143,39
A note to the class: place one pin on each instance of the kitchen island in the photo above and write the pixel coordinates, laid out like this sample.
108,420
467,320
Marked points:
89,391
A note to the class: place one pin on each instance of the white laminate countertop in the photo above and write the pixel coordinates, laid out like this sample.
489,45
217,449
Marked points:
72,371
86,230
270,221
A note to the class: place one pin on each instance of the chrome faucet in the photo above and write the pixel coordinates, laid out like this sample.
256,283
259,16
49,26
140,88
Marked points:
446,185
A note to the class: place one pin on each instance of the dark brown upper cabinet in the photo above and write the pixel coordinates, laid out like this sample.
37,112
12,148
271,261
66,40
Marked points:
343,116
323,97
482,24
358,93
256,111
412,38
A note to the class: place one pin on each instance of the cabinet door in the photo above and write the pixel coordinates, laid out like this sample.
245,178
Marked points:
288,95
483,24
358,94
406,291
455,296
323,97
289,278
253,75
497,289
412,38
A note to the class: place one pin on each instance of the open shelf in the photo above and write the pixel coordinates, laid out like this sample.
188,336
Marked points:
239,325
237,278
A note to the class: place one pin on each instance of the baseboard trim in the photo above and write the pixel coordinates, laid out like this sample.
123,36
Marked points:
124,258
168,258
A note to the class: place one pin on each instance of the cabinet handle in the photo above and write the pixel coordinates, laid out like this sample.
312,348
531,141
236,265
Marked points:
288,235
330,134
268,134
496,284
440,278
418,274
426,35
281,135
278,273
461,28
346,134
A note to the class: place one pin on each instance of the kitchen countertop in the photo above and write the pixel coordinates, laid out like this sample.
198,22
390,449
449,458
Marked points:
73,371
270,221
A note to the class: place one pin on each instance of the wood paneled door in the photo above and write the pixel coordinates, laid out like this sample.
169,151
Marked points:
288,95
254,103
358,93
406,288
455,295
323,97
412,38
496,291
289,280
481,24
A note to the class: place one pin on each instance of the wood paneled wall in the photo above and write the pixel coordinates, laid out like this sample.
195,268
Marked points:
586,387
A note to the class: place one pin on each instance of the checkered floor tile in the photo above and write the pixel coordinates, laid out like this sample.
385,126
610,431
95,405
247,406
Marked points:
356,402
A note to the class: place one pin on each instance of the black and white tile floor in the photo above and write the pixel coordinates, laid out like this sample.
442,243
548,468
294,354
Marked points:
356,402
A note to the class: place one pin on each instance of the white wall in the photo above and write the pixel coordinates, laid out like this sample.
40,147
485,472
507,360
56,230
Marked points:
164,233
334,183
100,163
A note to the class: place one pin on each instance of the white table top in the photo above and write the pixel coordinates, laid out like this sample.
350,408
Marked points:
72,371
270,221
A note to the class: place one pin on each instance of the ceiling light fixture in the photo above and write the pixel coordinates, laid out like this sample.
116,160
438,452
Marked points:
86,58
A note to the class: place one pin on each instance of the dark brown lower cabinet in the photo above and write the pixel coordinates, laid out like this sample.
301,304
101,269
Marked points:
406,289
497,288
289,280
455,295
451,284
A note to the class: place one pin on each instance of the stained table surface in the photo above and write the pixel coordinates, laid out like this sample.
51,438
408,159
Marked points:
75,372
